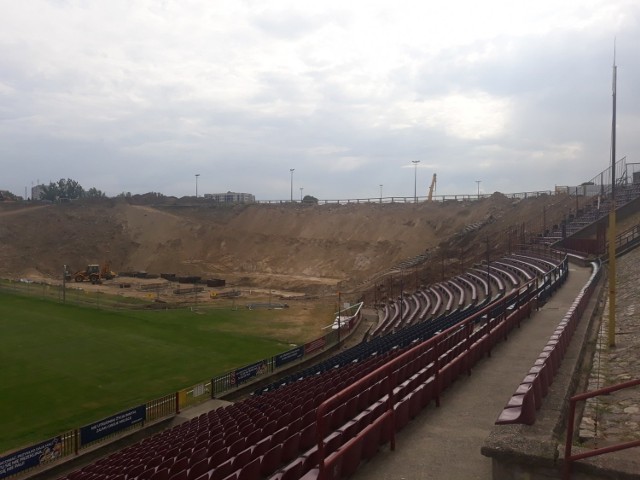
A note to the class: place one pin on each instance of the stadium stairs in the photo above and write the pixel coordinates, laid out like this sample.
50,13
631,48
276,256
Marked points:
593,212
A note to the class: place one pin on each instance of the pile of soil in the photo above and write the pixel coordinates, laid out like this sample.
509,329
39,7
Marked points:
313,249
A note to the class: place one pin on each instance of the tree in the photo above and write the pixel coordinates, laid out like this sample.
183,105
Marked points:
309,199
93,192
49,192
68,188
71,189
7,195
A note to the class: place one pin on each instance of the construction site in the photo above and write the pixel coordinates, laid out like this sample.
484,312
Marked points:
295,249
418,267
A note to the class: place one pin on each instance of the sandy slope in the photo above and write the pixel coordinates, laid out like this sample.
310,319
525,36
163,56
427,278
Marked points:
289,246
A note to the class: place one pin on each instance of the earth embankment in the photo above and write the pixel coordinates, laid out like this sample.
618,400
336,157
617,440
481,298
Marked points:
289,246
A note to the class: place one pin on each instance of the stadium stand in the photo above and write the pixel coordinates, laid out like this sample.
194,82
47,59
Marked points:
522,406
321,422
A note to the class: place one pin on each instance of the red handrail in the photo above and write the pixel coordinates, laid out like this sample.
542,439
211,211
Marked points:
387,371
568,458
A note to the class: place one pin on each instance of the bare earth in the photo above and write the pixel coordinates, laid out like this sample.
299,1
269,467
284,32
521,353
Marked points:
311,249
302,255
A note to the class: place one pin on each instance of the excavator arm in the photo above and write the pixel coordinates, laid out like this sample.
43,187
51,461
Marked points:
432,188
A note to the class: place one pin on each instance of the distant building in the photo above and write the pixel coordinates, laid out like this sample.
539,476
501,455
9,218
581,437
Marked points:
36,192
231,197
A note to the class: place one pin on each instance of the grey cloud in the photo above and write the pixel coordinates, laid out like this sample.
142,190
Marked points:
129,121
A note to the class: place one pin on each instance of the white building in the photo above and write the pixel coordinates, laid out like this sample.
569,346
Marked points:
36,191
231,197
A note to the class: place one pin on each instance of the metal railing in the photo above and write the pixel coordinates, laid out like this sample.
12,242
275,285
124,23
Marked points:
462,335
569,459
411,199
75,441
601,183
73,295
627,238
72,442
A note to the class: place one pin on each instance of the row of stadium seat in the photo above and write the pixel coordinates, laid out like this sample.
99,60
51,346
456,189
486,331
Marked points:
273,432
527,399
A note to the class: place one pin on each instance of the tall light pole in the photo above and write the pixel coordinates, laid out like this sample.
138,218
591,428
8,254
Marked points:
401,294
197,175
64,284
415,180
380,193
488,271
478,182
339,318
292,170
611,328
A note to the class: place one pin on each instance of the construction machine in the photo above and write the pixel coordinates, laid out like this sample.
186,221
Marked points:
95,273
432,188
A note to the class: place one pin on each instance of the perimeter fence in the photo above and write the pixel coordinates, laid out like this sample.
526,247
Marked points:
73,295
415,199
73,442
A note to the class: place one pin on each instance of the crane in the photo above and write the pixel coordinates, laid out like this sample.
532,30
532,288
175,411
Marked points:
432,188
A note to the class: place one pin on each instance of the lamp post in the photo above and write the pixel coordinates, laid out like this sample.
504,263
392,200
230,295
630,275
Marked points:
64,284
339,318
380,193
478,182
197,175
611,328
488,271
401,294
415,180
292,170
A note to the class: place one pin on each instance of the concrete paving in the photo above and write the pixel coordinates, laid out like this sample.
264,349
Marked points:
444,443
615,418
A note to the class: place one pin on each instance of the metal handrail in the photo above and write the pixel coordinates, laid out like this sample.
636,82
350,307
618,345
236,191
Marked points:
627,236
496,309
412,199
568,457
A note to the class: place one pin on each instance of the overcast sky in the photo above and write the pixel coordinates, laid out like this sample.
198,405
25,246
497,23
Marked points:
139,96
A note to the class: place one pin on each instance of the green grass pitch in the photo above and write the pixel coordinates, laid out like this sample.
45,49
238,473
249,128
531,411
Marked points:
65,366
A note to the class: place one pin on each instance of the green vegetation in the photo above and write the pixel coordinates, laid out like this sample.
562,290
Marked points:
66,366
75,295
69,189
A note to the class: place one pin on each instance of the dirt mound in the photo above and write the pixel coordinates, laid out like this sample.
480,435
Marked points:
289,246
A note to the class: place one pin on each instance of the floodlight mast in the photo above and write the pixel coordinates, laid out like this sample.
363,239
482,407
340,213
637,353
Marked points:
611,333
291,170
415,180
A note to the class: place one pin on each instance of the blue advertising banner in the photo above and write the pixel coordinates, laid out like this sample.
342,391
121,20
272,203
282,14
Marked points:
30,457
289,356
113,424
246,373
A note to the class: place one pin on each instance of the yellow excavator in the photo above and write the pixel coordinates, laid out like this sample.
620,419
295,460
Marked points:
432,188
95,273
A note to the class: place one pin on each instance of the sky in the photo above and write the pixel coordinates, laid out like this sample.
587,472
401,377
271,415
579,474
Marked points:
140,96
